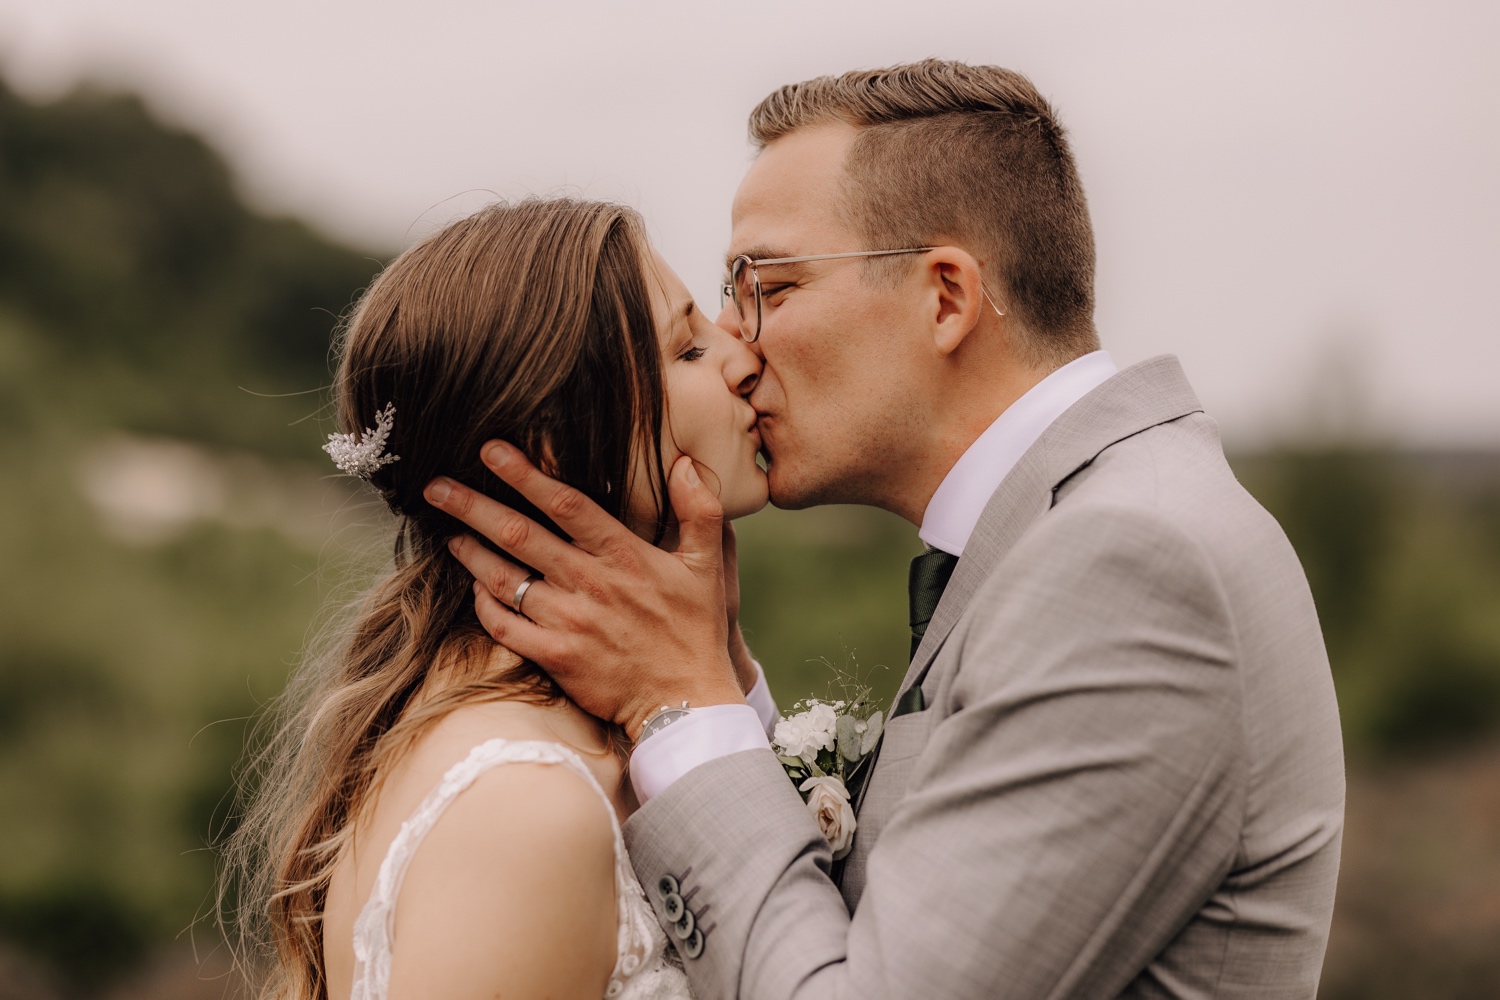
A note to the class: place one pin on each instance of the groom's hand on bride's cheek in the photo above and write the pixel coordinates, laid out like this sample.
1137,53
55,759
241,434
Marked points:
623,626
739,653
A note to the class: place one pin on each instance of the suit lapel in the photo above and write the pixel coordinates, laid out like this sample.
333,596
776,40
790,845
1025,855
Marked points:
1145,395
1142,396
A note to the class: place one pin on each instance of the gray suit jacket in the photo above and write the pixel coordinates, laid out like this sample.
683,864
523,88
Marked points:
1128,780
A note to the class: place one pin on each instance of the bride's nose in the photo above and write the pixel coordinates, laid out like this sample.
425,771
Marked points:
741,368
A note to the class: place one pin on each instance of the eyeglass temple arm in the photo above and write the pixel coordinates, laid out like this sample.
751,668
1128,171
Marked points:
836,256
725,289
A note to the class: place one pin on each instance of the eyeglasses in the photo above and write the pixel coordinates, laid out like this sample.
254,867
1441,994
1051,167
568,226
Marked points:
743,285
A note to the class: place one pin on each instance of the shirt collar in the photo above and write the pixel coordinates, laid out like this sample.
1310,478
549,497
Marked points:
961,497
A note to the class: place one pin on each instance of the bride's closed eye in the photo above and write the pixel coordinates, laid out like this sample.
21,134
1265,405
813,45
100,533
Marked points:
692,353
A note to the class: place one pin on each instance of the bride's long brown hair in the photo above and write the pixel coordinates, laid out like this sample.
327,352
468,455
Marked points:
529,322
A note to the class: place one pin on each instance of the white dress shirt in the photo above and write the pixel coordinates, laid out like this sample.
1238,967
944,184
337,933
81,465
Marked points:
716,731
704,734
954,509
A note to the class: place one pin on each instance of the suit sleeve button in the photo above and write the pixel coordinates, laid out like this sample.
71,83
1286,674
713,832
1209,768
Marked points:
693,946
684,928
673,906
666,886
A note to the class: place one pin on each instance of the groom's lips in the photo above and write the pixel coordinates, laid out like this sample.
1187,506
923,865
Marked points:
759,428
758,431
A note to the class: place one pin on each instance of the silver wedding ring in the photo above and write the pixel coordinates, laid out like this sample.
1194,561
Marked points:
515,602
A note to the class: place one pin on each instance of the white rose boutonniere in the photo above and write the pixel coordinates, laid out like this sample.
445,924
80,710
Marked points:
828,800
825,747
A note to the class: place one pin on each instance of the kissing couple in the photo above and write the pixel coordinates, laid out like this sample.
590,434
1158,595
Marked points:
537,762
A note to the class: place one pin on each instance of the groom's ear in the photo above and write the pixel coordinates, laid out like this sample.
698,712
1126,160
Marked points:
956,287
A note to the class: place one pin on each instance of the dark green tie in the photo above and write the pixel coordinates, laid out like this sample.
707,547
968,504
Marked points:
930,572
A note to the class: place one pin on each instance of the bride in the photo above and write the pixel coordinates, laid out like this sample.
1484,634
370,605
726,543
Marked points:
433,817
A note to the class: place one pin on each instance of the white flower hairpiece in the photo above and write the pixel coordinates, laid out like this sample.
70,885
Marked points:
360,455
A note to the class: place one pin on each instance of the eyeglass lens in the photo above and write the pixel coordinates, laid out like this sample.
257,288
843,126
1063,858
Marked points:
743,291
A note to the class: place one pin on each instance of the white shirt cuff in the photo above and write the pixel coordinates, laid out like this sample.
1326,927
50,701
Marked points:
704,734
759,698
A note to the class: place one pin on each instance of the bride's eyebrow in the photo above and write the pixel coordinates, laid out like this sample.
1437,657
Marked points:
682,332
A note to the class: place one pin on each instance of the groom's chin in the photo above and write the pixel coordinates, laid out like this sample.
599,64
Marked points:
787,493
792,488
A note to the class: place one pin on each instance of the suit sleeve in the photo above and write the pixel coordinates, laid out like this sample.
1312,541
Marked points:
1073,805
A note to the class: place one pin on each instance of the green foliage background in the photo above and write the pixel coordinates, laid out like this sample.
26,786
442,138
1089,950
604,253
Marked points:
139,295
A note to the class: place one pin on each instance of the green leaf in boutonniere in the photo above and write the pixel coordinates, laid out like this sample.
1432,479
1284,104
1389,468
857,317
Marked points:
848,738
871,736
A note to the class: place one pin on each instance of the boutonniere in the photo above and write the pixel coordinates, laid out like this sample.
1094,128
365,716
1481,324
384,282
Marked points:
825,746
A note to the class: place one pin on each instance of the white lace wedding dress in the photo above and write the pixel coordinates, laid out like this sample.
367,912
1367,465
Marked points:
644,970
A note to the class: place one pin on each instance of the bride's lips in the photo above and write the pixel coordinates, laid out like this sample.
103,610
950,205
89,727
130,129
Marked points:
759,428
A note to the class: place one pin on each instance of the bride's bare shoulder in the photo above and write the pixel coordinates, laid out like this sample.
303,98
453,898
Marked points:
422,767
513,890
448,740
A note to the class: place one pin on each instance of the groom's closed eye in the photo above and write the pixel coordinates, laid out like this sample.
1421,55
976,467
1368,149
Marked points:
775,284
772,294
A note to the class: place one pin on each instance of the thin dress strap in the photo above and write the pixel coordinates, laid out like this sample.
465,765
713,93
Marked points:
374,930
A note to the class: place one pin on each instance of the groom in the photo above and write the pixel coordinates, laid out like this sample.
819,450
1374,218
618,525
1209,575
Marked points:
1114,767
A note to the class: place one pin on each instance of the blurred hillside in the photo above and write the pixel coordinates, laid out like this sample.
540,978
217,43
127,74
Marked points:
168,540
160,523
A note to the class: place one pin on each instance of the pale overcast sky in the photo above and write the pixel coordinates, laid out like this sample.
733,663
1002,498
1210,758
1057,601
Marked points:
1300,199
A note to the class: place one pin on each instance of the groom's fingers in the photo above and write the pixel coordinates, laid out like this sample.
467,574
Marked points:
513,631
497,574
515,533
731,549
700,516
591,528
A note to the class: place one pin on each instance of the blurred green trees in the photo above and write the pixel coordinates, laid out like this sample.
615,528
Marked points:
138,295
1402,555
124,245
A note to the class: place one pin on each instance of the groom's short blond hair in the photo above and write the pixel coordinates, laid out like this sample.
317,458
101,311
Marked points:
968,154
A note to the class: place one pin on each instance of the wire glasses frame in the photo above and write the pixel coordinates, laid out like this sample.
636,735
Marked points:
735,289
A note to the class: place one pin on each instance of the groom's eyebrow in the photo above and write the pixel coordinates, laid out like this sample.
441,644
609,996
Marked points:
759,252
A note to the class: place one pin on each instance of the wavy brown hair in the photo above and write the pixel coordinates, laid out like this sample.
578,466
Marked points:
529,322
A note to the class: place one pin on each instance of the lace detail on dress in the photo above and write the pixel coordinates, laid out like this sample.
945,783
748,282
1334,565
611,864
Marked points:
644,968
